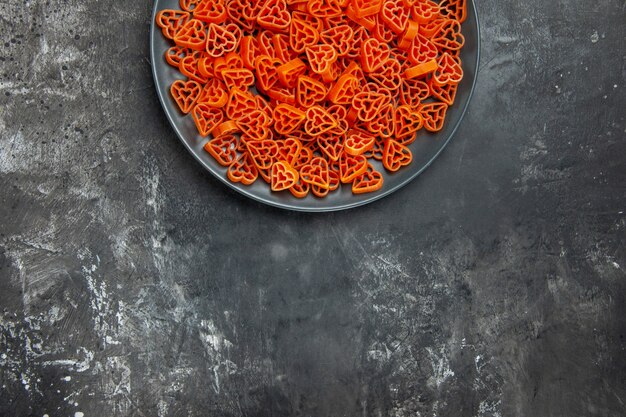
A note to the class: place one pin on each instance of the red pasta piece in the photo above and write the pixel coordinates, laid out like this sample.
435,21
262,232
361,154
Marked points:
425,11
315,172
238,78
448,71
395,15
282,49
262,152
185,94
289,150
331,146
333,184
222,39
323,8
407,122
249,50
396,155
318,121
377,151
302,35
223,149
243,170
266,72
214,94
266,44
304,16
287,118
434,115
367,7
411,32
304,156
300,189
280,94
373,55
351,166
239,103
249,10
206,118
170,21
228,127
344,89
175,54
213,11
413,92
239,12
445,93
421,70
383,33
192,35
454,9
448,36
321,57
189,5
368,182
233,60
273,15
383,124
255,124
263,105
188,66
368,104
340,37
388,75
289,72
360,35
205,66
357,143
355,69
283,176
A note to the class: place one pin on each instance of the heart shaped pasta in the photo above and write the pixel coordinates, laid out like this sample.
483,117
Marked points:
287,118
213,11
222,39
302,35
309,95
316,172
274,15
243,170
263,152
318,121
170,21
373,54
368,182
321,57
309,91
358,143
396,155
223,149
185,94
283,176
206,118
255,124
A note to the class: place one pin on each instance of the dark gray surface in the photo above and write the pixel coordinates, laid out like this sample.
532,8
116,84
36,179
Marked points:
133,283
425,148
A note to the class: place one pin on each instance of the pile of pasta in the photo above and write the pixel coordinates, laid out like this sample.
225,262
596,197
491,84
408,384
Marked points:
306,94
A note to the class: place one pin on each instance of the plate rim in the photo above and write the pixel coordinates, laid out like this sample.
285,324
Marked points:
321,209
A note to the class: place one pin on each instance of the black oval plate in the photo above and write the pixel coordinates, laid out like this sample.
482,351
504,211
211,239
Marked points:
425,148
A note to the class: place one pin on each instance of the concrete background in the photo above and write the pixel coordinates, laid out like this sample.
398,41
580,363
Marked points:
132,283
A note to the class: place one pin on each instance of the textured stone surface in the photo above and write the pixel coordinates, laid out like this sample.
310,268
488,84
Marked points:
132,283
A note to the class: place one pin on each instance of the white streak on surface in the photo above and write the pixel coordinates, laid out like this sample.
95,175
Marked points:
440,364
